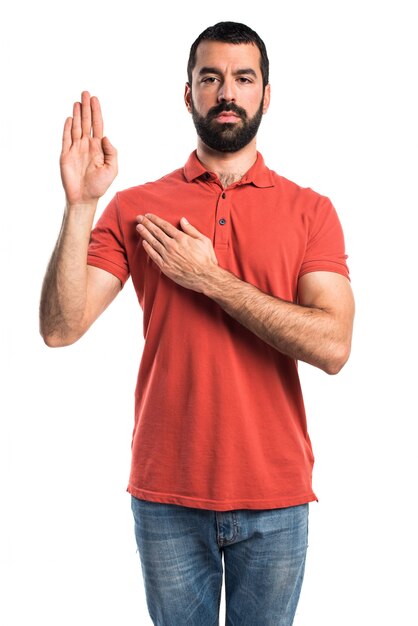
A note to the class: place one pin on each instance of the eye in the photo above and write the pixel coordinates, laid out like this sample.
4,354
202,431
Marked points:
209,80
244,80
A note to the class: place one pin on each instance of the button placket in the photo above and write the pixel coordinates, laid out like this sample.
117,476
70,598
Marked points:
222,223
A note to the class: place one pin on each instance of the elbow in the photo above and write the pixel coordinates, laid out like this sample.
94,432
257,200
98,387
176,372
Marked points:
56,341
53,341
59,339
337,360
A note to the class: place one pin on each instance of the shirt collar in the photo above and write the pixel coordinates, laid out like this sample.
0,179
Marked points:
258,174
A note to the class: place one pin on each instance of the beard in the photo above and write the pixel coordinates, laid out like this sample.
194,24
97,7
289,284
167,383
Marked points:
227,137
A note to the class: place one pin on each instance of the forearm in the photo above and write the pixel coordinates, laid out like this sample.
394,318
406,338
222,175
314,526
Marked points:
64,291
300,332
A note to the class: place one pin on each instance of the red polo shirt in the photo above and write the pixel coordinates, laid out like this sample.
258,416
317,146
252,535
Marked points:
219,417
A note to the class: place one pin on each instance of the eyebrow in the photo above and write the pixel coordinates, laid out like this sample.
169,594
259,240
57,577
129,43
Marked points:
215,70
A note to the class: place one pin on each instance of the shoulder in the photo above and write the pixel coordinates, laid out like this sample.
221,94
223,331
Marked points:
304,204
164,185
283,187
294,190
298,202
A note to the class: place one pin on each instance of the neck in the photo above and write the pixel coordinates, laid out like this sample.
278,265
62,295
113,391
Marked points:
229,166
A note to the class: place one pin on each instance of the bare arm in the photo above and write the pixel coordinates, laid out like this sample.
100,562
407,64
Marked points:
73,293
317,330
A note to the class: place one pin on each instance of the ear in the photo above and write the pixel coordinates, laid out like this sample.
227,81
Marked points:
266,98
188,97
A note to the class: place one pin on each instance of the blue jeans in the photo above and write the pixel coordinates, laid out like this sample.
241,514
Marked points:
181,558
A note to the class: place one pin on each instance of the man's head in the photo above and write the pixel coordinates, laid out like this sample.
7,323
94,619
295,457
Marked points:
235,33
228,89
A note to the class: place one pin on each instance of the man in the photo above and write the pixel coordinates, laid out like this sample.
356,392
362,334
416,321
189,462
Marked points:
240,273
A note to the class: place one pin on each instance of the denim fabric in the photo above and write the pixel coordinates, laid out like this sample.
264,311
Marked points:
181,551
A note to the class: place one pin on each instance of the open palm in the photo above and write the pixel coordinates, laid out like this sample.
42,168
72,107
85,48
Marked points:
88,160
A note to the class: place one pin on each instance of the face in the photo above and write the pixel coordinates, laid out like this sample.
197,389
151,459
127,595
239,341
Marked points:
226,98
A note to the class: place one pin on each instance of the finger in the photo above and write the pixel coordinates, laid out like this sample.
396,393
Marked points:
66,135
166,227
85,114
153,254
190,230
151,240
76,127
97,118
152,233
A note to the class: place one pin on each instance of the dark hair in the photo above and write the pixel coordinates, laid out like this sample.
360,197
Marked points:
230,32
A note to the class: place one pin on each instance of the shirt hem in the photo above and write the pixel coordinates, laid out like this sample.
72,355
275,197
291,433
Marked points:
325,268
222,505
108,266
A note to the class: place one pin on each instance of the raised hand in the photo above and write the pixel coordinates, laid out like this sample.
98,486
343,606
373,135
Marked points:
88,160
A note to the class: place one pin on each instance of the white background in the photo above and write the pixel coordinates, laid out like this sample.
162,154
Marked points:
343,120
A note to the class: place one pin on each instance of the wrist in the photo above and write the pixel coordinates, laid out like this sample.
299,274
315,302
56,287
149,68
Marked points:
88,205
217,282
80,212
80,215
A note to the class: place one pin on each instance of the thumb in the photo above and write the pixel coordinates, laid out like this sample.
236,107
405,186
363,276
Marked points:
189,229
109,151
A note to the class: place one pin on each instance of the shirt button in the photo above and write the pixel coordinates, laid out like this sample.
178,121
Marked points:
222,221
224,195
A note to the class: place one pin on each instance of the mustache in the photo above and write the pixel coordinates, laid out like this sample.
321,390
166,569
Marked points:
226,106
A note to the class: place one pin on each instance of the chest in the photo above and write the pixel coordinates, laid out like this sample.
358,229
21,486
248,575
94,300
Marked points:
256,235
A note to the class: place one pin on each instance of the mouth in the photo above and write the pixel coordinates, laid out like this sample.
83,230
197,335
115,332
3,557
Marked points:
227,117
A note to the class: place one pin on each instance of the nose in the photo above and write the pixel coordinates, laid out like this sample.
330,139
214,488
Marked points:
226,91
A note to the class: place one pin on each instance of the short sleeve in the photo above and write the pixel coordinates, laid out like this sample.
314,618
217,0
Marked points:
325,249
106,248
